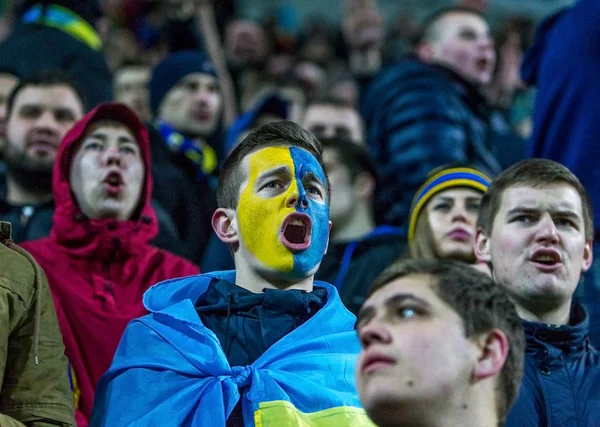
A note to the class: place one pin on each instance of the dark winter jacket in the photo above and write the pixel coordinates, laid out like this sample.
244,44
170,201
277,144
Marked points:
247,324
39,43
419,117
98,269
34,382
352,266
564,65
189,201
561,384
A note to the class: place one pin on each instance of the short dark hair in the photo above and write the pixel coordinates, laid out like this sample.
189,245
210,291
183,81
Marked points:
283,133
427,32
536,173
44,78
481,304
352,155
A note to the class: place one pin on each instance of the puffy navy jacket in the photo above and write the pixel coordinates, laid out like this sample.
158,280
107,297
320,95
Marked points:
419,117
561,385
564,64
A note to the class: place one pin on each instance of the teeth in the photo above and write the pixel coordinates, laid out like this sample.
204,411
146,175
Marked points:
297,222
545,258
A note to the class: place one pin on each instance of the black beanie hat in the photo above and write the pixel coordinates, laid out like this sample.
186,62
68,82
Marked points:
175,66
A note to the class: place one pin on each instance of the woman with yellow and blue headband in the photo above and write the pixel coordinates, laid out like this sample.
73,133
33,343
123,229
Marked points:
444,214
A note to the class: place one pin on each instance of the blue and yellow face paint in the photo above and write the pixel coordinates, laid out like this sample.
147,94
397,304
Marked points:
283,214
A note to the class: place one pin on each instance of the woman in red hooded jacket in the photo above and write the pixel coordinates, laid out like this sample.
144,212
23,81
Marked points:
98,259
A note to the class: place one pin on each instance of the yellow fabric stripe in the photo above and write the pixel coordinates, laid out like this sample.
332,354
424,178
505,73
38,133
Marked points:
76,390
77,28
282,413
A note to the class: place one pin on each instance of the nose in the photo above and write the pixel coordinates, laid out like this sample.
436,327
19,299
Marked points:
459,214
547,231
46,121
201,96
297,196
486,42
112,157
373,333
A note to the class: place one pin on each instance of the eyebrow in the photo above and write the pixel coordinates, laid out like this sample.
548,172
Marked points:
102,137
567,213
273,172
313,177
368,312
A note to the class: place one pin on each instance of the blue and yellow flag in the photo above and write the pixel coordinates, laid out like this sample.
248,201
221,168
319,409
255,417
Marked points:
170,370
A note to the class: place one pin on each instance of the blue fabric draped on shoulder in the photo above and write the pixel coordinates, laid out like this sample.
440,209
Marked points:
170,370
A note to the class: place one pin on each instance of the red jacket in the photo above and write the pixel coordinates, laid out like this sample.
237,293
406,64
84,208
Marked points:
98,270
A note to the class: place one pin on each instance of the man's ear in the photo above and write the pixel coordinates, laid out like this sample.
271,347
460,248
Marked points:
493,351
482,246
588,256
425,52
225,226
364,184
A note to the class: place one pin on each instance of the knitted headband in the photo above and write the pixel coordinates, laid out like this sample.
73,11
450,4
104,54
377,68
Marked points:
442,180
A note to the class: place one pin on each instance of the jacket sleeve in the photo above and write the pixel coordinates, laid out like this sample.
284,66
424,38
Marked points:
417,131
35,394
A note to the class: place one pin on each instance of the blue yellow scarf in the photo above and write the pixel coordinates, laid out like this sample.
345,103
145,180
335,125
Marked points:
201,154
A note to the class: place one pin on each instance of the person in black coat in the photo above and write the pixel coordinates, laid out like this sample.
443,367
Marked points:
359,249
187,103
426,111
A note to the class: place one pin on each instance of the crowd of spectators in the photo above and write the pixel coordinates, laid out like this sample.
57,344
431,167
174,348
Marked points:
144,142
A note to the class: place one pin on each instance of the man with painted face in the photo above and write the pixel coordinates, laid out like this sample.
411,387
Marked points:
264,343
428,110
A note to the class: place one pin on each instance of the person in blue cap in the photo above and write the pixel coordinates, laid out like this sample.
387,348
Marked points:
264,344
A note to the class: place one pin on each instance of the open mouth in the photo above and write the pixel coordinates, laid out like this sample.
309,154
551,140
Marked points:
546,259
296,231
201,115
482,64
113,182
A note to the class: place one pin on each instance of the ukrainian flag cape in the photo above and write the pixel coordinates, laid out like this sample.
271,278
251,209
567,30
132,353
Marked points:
170,370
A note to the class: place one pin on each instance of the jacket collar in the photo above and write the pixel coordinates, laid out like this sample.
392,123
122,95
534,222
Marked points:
571,338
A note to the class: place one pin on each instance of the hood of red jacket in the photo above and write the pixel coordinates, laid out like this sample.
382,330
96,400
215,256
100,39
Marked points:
101,237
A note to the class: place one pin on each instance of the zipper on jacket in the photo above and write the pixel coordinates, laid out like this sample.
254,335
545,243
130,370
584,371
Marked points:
26,214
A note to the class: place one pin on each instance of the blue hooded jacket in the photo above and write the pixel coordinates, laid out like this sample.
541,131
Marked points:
170,370
561,382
